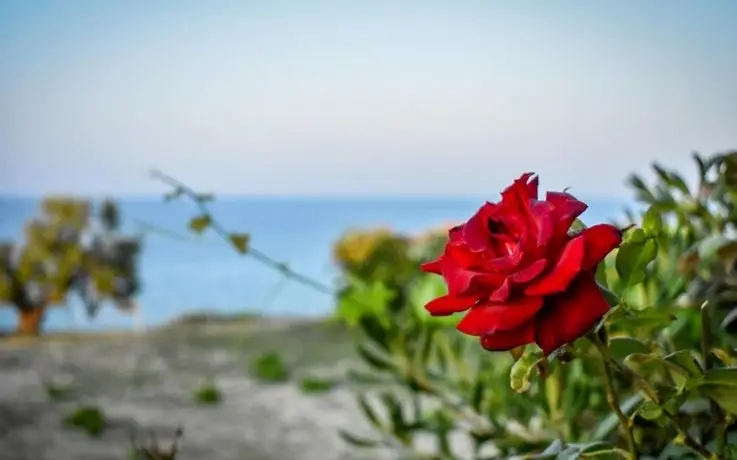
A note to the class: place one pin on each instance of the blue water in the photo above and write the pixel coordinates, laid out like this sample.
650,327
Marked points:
182,272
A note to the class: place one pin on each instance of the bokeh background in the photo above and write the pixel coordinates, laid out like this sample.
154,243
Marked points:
307,120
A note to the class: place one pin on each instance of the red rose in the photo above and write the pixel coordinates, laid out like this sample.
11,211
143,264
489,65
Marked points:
520,275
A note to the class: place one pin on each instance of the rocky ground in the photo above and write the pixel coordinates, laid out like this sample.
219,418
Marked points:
144,383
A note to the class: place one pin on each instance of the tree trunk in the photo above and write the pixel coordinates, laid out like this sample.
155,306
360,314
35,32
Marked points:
31,320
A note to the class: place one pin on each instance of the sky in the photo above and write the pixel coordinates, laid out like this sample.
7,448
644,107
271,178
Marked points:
377,97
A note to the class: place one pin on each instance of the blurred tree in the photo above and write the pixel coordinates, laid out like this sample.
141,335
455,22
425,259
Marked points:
66,251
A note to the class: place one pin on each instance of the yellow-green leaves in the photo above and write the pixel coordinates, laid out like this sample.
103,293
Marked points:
519,377
240,241
200,223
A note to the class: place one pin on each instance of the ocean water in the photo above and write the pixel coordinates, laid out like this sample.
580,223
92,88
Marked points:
182,272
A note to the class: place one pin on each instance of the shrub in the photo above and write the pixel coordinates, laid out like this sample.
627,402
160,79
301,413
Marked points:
270,368
208,394
89,419
656,378
56,259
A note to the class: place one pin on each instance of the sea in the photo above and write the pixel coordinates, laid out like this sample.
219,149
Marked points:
182,272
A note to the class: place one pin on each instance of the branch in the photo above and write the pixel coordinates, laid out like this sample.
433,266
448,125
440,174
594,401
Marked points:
258,255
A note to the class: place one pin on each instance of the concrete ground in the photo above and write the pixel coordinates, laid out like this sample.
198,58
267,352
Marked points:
144,383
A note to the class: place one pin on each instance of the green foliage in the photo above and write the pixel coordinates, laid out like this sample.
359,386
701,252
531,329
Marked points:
208,394
380,276
89,419
70,249
658,377
269,368
311,385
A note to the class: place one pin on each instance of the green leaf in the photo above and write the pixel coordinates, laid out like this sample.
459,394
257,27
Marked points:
426,288
519,377
312,385
375,331
721,376
602,277
362,299
368,411
641,190
612,299
356,441
652,223
377,359
200,223
367,378
424,347
605,454
621,347
671,179
635,235
396,414
577,227
652,318
721,386
633,258
240,241
477,393
649,410
684,361
700,164
725,396
723,356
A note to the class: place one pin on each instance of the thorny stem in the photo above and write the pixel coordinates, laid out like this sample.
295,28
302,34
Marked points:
260,256
611,397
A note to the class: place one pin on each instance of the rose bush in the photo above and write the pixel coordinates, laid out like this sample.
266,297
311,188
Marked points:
655,378
520,274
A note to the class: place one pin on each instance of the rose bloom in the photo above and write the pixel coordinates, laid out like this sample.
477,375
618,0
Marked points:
520,275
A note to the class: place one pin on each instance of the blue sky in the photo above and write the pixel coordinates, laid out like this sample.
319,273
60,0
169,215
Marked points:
374,97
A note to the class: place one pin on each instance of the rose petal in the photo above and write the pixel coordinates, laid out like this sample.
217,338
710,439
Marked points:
501,294
516,202
542,212
487,319
600,240
449,304
435,266
570,315
476,234
509,339
564,271
530,272
532,186
566,210
567,207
